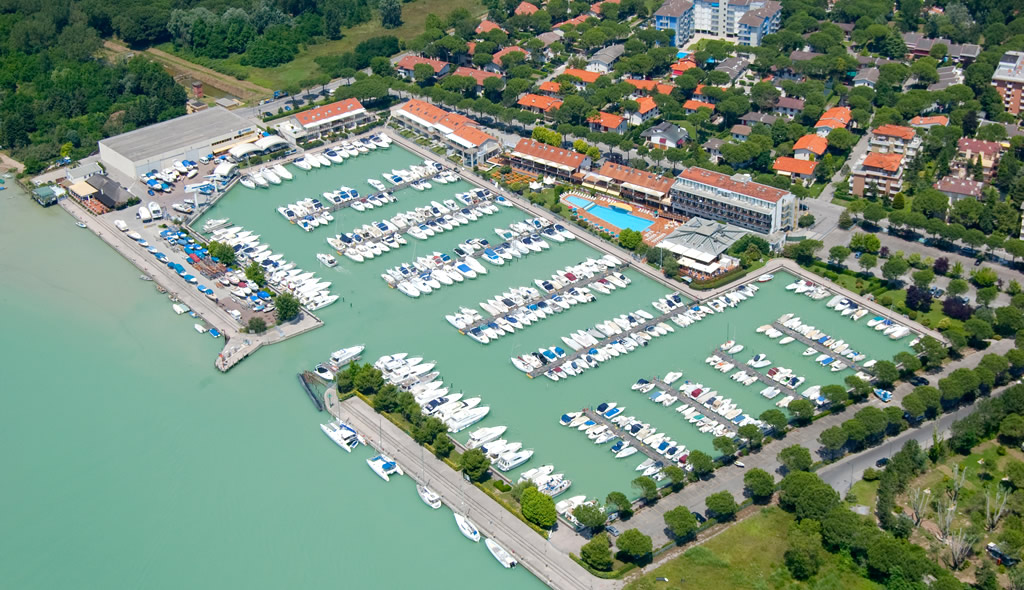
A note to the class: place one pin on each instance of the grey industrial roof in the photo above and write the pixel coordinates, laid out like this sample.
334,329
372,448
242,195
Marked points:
185,131
706,236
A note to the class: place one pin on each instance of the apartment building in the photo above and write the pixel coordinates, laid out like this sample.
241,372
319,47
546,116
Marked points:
734,199
1009,80
460,135
540,159
883,172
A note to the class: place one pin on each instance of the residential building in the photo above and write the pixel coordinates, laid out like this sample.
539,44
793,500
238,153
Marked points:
648,87
866,77
971,152
550,88
701,246
595,8
883,172
755,24
713,147
834,118
699,94
804,55
919,46
959,188
681,66
487,26
929,122
314,123
691,106
734,199
810,147
406,66
1009,80
895,139
665,135
497,65
536,103
84,171
603,60
676,16
477,75
764,118
526,9
573,21
585,77
547,39
786,106
796,169
733,67
540,159
648,110
948,76
460,135
639,186
607,123
740,132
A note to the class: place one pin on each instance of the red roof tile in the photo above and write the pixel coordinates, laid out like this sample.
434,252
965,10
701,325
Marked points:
526,8
478,75
536,101
607,120
410,61
474,135
550,86
812,142
960,186
327,111
933,120
726,182
649,180
888,162
835,117
647,104
543,151
979,146
572,21
693,105
486,25
905,133
794,166
584,75
507,50
649,85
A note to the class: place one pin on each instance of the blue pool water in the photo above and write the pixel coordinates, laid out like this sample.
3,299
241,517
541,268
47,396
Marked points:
619,219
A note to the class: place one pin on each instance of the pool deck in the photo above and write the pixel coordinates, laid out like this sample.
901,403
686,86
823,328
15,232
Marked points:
659,229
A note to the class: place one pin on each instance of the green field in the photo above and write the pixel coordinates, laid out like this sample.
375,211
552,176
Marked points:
414,16
749,555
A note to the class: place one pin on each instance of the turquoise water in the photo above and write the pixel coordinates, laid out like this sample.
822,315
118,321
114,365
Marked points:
138,464
619,219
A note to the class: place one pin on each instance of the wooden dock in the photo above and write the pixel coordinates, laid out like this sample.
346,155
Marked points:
544,297
725,356
686,399
624,434
533,551
819,347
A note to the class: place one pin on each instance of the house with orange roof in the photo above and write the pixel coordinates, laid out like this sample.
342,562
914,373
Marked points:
810,147
880,173
682,66
477,75
607,123
540,159
487,26
639,186
834,118
497,65
895,139
691,106
929,122
312,124
648,109
977,151
460,135
526,9
550,88
595,8
573,21
801,170
649,87
406,66
542,105
584,77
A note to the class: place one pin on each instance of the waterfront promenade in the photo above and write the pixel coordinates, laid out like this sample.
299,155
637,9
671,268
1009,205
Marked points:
548,563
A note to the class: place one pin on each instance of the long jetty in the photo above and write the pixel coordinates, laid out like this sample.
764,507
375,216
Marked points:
686,399
545,296
725,356
816,346
534,552
624,434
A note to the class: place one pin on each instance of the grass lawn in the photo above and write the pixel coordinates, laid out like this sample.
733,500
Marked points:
749,555
414,16
865,493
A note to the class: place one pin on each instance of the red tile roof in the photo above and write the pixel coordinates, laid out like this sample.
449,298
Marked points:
584,75
459,125
607,120
726,182
550,86
794,166
334,109
693,105
474,135
933,120
812,142
649,180
835,117
507,50
536,101
548,153
904,133
526,8
486,25
572,21
409,62
888,162
478,75
960,186
979,146
647,104
596,7
649,85
682,65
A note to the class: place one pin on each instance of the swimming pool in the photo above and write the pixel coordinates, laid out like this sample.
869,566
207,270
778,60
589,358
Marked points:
619,219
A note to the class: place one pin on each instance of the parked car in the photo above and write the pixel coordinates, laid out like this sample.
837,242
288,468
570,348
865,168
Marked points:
882,462
700,517
918,381
614,531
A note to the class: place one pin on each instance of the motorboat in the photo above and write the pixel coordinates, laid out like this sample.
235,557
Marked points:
511,459
327,260
429,497
343,356
499,553
384,466
485,435
467,528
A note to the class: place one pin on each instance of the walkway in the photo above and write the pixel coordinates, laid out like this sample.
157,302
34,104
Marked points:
690,401
552,566
821,348
624,434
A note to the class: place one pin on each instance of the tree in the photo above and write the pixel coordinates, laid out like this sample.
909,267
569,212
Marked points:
422,72
222,252
630,239
805,495
597,553
861,242
774,418
589,516
833,439
759,484
894,268
841,139
256,325
634,544
287,307
806,220
835,393
923,278
752,433
620,502
702,463
254,272
886,373
681,522
676,475
874,213
803,251
648,488
722,505
867,262
802,409
475,463
987,295
803,556
845,220
957,287
796,458
443,446
538,508
724,445
838,254
978,331
390,13
1012,427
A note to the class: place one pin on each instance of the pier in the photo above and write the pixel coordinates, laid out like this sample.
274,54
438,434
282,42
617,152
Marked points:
623,434
819,347
544,297
686,399
533,551
745,367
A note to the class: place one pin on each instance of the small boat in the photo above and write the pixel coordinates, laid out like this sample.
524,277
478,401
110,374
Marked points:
80,224
467,528
199,328
765,278
327,260
499,553
384,466
429,497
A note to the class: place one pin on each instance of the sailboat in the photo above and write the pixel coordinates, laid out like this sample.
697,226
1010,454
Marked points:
467,528
429,497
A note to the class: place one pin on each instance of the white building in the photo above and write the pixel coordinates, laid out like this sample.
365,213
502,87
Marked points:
337,116
734,199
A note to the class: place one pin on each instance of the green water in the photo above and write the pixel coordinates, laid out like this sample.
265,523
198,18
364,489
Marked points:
130,461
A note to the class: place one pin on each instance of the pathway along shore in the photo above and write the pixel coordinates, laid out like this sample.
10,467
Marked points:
548,563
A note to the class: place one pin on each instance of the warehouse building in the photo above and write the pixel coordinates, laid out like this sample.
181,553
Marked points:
212,131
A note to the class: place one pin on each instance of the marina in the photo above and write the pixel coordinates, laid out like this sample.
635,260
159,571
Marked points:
689,401
623,434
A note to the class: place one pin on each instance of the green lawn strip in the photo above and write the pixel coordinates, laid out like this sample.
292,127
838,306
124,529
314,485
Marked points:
749,555
865,493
